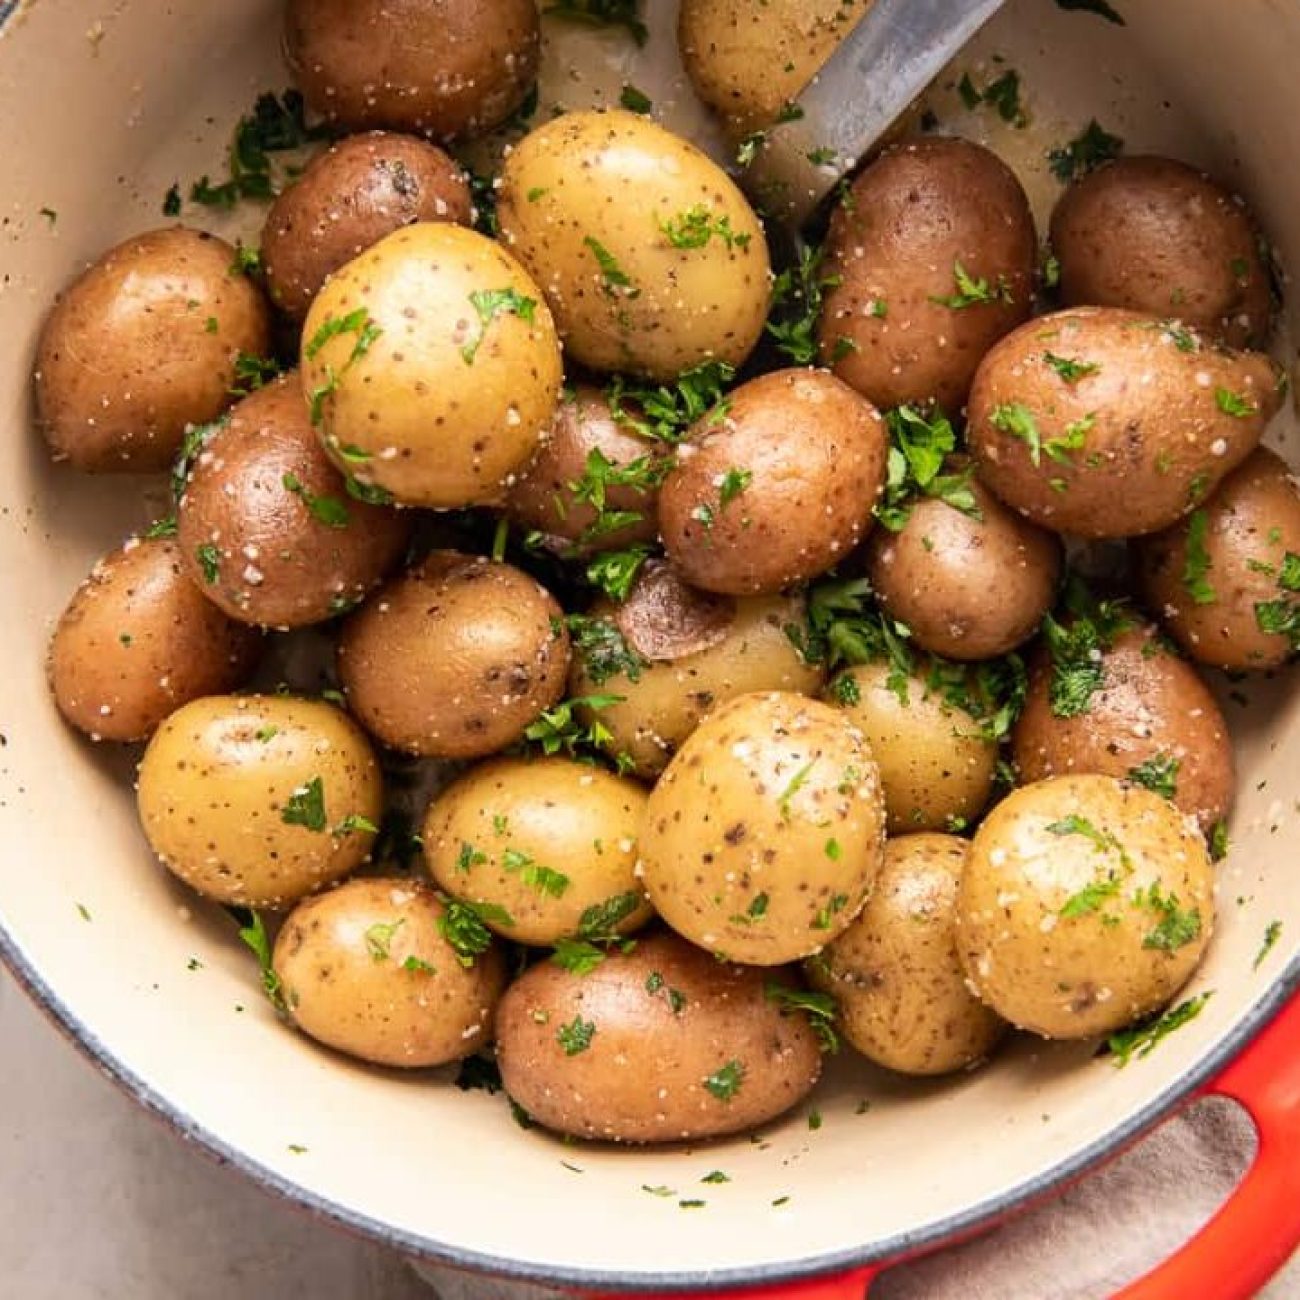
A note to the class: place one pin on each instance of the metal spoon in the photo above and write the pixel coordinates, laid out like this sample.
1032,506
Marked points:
893,53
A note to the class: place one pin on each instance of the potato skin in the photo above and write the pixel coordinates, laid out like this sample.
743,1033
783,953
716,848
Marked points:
898,984
936,575
348,198
895,241
503,819
138,640
764,835
445,406
1152,706
1094,969
643,1077
365,969
445,68
814,452
143,344
254,543
1252,522
1155,235
934,766
1150,439
582,203
454,658
216,783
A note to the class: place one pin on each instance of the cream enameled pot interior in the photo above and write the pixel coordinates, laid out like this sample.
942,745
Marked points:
101,109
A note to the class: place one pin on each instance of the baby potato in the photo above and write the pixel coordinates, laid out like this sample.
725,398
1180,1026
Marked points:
1223,580
1155,235
366,969
933,251
455,658
776,487
432,367
669,654
1110,423
650,257
266,526
588,450
936,574
258,800
143,344
764,835
1085,905
549,844
899,987
936,768
660,1044
138,640
347,199
445,68
1151,720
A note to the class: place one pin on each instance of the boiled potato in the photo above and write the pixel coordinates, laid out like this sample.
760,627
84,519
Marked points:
348,198
143,344
937,572
1110,423
649,256
1158,236
932,253
899,987
259,799
455,658
661,660
936,765
1086,904
1224,580
776,487
659,1044
266,525
138,640
366,968
1150,719
432,367
764,835
550,844
446,68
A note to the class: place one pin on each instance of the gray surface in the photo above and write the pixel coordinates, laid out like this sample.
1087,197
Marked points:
102,1202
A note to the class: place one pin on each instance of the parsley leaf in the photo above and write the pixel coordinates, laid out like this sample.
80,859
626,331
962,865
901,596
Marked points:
327,510
634,100
576,1036
602,649
305,806
209,558
797,295
666,411
1002,94
1070,369
919,446
253,933
379,937
491,303
974,291
1271,935
614,280
724,1083
601,13
560,730
696,226
545,880
463,925
1142,1039
1234,404
1197,562
1086,152
614,572
1018,420
1159,773
1176,927
818,1007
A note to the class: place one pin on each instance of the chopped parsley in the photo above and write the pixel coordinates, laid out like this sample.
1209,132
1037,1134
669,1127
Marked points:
724,1083
1159,773
1070,369
1018,420
634,100
666,411
602,13
602,649
1086,152
846,690
715,1176
1076,648
1091,898
545,880
160,528
1142,1039
253,933
696,226
252,372
818,1007
1234,404
797,295
796,783
597,932
1197,562
1218,843
826,914
576,1036
1176,927
614,572
1271,935
1281,616
561,731
365,332
379,937
491,303
642,475
734,482
305,806
464,926
919,445
973,291
1002,94
171,204
418,966
614,280
327,510
209,558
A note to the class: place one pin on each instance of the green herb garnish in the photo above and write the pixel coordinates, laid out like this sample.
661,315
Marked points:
724,1083
576,1036
1142,1039
1086,152
491,303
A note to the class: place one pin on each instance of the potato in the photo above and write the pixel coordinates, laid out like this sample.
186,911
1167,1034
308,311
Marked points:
348,198
432,366
934,250
1155,235
550,844
659,1044
1224,579
775,488
446,68
936,765
138,640
936,574
143,344
650,257
764,835
669,654
366,969
1150,719
258,800
585,452
1110,423
1085,905
455,658
899,988
266,526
